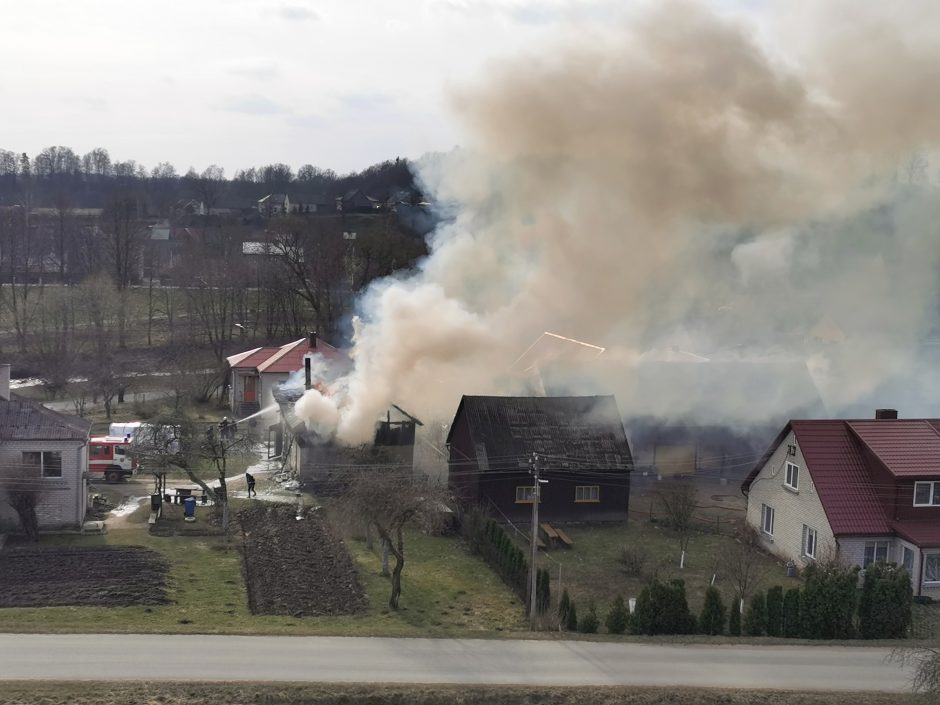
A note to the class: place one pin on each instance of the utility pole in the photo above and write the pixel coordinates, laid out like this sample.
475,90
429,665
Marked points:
533,548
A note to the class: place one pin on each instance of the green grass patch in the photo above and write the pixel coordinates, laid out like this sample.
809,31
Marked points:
591,569
446,592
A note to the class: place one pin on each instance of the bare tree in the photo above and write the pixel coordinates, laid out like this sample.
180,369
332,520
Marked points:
914,168
925,661
389,500
22,488
743,563
678,500
196,448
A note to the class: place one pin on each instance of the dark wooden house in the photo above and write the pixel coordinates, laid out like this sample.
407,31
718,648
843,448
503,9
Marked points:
582,448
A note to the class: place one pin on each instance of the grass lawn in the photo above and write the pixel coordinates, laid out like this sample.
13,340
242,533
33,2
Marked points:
446,591
91,693
591,569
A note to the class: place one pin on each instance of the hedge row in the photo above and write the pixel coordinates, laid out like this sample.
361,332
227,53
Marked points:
509,562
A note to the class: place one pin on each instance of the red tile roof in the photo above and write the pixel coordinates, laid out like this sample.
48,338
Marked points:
253,359
908,448
925,534
835,459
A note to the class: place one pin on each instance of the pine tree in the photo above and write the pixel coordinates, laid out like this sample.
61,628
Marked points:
755,619
734,618
618,617
564,607
571,621
791,613
775,611
712,620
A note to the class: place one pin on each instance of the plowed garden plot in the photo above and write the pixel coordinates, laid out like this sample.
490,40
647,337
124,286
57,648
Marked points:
297,567
82,576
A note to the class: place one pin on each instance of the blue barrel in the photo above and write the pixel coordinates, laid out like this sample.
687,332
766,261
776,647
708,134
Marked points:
189,506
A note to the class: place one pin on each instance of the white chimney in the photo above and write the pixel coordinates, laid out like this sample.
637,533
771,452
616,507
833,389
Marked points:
5,382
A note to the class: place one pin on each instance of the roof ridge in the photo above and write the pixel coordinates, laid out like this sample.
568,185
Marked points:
286,348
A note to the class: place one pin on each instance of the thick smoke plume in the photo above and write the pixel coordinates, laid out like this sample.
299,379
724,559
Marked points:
673,176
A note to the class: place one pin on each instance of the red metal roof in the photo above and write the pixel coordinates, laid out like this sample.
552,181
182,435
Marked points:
908,448
925,534
255,358
837,464
287,358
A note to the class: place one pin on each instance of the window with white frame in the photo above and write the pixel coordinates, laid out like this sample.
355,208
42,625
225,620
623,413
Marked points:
927,494
767,519
907,559
932,568
809,541
875,551
48,462
587,493
792,479
525,493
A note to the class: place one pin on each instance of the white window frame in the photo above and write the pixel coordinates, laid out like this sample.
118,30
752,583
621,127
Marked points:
587,493
42,465
875,546
905,552
765,512
933,496
928,558
525,494
795,484
810,547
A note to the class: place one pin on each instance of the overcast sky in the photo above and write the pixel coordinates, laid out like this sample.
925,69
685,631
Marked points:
336,83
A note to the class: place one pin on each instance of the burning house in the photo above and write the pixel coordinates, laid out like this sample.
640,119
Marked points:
581,446
318,460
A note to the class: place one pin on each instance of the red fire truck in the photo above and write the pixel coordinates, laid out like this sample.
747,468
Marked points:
109,457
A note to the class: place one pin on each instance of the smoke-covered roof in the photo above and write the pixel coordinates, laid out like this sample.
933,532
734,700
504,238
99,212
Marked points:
566,432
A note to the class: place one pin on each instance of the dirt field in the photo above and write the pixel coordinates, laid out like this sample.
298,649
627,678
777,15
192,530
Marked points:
238,694
81,576
297,567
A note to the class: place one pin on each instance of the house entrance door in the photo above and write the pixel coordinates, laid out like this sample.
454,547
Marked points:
250,389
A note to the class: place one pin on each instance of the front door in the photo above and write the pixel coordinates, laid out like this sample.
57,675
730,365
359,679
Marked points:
250,389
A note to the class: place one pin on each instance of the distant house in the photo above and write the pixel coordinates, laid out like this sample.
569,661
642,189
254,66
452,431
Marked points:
274,204
862,491
582,448
49,450
355,201
256,372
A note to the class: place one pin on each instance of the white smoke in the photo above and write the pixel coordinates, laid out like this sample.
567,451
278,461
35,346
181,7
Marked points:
668,174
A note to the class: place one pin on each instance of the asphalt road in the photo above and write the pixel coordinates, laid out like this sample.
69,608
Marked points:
468,661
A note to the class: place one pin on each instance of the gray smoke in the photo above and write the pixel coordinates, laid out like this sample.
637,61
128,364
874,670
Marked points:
673,176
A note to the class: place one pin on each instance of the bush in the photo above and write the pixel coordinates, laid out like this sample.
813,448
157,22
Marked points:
589,622
734,618
564,607
618,617
712,620
755,619
663,609
775,611
633,560
791,613
827,606
884,609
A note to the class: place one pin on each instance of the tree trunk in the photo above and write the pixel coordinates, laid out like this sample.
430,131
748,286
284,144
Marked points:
384,559
399,552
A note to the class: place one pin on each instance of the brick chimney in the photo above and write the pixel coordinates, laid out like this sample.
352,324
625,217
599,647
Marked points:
312,340
886,414
5,382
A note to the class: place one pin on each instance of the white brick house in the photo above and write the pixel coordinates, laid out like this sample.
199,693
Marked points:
45,450
861,491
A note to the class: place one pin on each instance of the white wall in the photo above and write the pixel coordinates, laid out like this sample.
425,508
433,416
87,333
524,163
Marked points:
792,509
64,500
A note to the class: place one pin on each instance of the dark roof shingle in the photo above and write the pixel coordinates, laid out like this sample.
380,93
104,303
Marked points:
25,420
